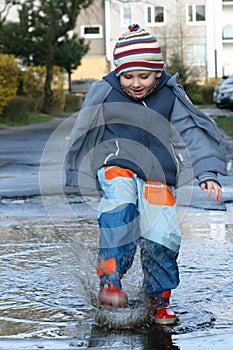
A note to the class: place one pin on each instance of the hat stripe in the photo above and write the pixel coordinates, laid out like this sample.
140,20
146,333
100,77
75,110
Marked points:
152,60
140,65
140,48
133,41
133,52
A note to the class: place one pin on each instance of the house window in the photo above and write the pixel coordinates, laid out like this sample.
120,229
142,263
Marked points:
126,15
196,55
91,32
196,13
159,14
155,15
227,32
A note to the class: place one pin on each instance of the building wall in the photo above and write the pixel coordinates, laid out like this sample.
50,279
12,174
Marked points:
92,18
214,38
206,46
227,61
91,26
200,44
175,34
91,68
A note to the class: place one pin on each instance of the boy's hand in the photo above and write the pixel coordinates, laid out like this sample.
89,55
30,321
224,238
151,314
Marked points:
212,186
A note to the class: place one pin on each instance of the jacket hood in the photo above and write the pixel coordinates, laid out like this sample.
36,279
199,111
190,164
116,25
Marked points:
114,81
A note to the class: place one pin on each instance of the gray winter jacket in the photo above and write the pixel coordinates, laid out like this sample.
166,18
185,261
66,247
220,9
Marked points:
190,138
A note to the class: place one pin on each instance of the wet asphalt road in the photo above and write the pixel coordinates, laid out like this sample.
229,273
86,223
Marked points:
31,159
33,312
21,150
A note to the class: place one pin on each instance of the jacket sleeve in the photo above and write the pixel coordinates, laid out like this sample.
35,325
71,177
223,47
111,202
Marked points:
208,176
85,135
200,135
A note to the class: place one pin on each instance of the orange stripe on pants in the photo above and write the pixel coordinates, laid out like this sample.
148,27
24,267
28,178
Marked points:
166,294
106,267
112,172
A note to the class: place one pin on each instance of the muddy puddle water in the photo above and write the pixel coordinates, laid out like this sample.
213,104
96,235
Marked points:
48,288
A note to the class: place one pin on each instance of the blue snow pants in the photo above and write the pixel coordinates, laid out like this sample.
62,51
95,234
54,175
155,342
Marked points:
136,212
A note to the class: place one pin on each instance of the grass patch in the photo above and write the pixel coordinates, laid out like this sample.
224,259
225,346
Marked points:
226,124
31,118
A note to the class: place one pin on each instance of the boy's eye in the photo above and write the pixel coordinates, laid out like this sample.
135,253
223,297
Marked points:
126,76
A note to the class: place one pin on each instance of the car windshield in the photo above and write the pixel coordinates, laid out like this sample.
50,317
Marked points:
228,81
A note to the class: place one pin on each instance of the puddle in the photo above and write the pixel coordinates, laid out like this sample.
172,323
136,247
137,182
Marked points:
49,288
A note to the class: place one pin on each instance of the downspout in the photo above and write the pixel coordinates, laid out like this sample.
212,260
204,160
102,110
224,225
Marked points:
107,19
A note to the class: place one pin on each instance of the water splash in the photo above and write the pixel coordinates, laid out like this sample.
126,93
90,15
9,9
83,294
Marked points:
50,285
135,314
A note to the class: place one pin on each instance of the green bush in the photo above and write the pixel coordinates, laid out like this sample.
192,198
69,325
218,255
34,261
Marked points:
198,94
202,95
73,103
9,74
18,108
196,98
207,93
33,86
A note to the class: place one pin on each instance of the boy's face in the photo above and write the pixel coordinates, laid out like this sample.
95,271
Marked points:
139,83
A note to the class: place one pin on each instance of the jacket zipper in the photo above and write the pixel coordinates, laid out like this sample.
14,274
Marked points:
173,152
113,154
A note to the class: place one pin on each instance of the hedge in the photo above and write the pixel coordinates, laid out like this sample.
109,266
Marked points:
9,75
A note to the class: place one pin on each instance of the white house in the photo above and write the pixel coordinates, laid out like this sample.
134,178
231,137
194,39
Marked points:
200,31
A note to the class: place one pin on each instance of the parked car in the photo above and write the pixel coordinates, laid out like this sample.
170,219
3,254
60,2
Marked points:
216,89
223,94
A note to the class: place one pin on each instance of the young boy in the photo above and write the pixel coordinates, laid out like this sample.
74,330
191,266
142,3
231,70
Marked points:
129,138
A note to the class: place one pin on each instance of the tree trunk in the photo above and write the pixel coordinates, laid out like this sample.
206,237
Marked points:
48,92
69,81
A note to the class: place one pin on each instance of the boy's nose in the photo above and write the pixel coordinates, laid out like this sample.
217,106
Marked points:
136,82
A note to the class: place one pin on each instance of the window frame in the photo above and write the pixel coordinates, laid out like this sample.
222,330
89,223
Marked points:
194,20
152,12
195,53
122,15
92,35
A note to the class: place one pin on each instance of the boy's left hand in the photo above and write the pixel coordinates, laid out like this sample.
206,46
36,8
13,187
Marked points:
212,186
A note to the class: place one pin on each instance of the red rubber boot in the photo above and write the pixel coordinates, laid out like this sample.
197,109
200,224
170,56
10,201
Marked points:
111,295
164,315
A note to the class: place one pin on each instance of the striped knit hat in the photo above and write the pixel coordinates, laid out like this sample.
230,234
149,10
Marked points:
137,50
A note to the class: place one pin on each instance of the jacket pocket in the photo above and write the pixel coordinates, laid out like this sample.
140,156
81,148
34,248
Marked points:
159,193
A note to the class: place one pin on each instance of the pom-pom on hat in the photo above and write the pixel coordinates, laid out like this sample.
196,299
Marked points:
137,50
